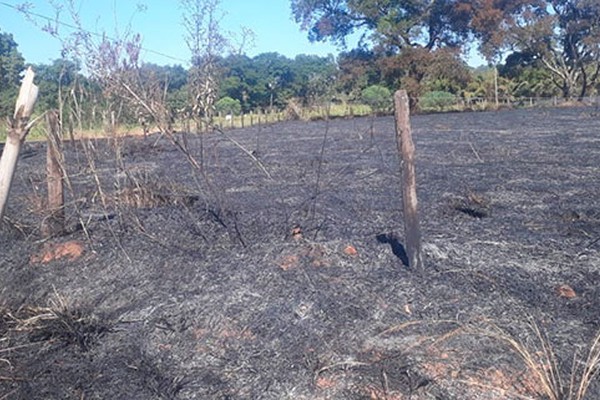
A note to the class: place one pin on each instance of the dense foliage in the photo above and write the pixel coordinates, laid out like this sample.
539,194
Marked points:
558,38
437,101
228,106
534,49
378,97
11,66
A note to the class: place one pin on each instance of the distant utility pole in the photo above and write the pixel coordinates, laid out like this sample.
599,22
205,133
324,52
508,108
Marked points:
406,148
496,87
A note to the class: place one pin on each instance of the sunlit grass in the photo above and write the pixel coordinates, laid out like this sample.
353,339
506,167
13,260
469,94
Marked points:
540,359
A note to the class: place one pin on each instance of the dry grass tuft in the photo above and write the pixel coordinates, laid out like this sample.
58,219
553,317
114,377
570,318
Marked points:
59,322
446,358
541,361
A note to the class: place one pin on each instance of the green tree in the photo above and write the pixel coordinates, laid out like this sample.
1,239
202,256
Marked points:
394,24
378,97
313,77
437,101
11,66
528,75
274,78
406,31
481,87
563,35
264,81
55,80
227,105
239,80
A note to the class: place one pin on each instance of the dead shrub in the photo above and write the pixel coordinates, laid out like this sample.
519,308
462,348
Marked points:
293,110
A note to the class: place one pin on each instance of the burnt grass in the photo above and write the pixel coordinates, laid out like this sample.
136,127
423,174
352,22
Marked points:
229,282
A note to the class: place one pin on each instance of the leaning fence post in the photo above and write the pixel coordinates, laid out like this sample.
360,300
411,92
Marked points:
406,148
18,130
54,223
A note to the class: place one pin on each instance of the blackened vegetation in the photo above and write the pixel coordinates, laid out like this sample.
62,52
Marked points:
221,283
473,204
68,327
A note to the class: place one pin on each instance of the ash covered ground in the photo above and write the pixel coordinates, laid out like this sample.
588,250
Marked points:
274,268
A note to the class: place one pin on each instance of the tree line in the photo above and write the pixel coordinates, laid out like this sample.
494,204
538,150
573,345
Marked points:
532,48
271,81
549,45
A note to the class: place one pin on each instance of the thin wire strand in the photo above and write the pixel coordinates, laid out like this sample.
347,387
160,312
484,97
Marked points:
71,26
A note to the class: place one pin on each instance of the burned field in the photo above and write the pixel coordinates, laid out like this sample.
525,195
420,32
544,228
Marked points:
277,271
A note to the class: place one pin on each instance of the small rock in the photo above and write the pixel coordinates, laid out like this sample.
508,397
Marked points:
351,251
565,291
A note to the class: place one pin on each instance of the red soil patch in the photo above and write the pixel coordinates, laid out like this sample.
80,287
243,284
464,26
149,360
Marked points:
565,291
351,251
71,251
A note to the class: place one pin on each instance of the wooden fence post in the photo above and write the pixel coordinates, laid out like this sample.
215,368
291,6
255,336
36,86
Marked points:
406,148
54,223
18,130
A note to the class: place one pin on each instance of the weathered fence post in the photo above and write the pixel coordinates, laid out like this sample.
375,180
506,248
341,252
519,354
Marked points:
18,130
54,223
406,148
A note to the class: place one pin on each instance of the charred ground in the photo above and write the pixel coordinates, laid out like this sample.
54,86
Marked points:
233,282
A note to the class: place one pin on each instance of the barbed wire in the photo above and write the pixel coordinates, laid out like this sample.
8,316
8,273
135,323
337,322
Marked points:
96,34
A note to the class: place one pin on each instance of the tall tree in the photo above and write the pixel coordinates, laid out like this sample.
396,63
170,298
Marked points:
357,69
406,31
313,77
11,66
262,81
56,79
564,35
394,24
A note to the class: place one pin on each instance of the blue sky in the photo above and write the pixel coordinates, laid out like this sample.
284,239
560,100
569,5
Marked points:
161,28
